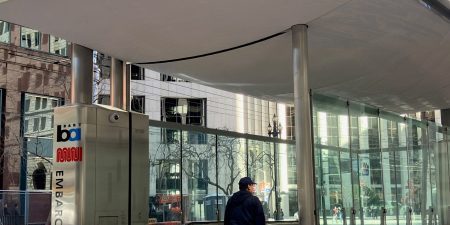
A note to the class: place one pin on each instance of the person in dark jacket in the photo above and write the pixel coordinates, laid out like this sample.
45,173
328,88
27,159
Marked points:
243,208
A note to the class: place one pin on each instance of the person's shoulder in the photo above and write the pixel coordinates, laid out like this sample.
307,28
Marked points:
255,200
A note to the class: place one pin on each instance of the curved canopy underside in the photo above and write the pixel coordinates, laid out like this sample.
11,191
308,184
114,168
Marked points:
391,54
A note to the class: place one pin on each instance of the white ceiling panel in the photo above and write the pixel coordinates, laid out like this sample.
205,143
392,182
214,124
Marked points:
391,54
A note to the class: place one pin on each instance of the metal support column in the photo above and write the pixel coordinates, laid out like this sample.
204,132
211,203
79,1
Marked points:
117,80
303,127
126,88
82,75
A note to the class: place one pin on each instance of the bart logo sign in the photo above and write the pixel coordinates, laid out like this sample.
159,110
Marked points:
72,133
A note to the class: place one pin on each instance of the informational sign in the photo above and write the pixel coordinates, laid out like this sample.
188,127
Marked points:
68,153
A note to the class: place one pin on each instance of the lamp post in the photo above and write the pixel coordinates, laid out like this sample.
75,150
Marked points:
275,131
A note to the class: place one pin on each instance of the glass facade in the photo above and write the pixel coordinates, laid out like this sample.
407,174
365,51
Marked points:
373,165
197,178
370,165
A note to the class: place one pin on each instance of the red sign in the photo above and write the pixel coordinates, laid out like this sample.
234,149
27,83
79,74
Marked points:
69,154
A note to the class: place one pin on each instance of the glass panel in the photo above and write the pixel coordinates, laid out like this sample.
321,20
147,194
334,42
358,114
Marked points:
434,138
444,159
402,171
199,177
442,178
231,167
58,46
165,181
417,164
392,181
288,184
331,139
261,168
30,38
4,32
38,141
366,163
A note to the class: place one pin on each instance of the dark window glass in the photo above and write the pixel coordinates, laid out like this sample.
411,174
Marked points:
137,73
37,103
165,77
138,104
185,111
27,105
44,103
36,124
43,122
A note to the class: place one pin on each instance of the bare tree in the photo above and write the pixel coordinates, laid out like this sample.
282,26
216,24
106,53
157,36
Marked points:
228,152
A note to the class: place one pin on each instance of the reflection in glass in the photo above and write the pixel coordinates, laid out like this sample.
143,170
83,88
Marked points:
4,32
231,155
261,166
165,178
38,140
30,38
58,46
199,178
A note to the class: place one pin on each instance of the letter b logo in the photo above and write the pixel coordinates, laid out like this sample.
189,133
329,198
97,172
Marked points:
63,135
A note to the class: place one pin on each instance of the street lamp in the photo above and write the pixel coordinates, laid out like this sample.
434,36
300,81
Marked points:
275,132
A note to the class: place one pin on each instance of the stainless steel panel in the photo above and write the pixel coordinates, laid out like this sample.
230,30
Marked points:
92,166
82,75
69,184
111,173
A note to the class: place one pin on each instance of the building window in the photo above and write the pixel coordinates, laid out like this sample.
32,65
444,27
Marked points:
137,73
44,103
138,103
35,124
30,38
37,103
4,32
27,105
58,46
104,99
25,126
184,111
169,78
43,122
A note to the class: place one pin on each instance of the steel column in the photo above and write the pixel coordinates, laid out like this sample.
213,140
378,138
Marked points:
82,75
117,80
303,127
126,88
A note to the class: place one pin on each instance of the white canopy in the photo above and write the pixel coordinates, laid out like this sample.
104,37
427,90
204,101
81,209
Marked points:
391,54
